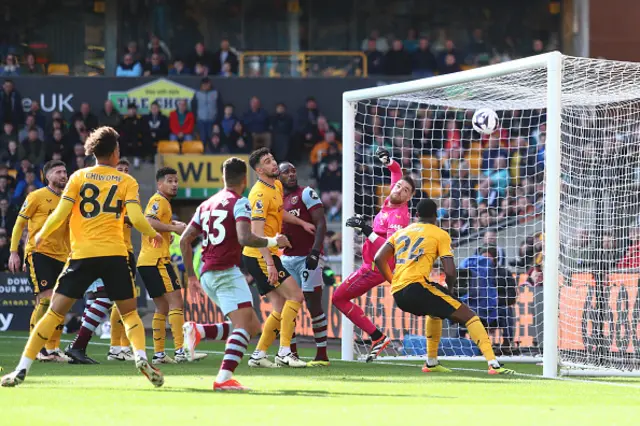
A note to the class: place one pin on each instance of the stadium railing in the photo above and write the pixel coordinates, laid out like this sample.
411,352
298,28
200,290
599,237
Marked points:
302,64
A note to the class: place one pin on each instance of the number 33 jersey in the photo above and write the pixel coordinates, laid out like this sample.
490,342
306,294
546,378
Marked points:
216,219
415,249
99,195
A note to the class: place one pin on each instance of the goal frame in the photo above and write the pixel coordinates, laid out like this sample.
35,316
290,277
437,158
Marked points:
552,61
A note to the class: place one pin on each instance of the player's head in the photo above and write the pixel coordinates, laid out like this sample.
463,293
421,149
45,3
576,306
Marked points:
167,181
123,165
103,143
262,161
288,175
403,190
427,210
55,172
234,173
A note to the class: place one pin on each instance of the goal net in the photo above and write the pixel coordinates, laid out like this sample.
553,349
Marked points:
543,213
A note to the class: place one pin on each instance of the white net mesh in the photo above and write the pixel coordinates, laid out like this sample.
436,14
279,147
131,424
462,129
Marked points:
490,190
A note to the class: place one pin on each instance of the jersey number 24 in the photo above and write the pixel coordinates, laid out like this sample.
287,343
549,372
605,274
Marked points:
408,250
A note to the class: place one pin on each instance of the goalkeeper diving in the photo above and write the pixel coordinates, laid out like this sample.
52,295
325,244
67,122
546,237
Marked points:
414,250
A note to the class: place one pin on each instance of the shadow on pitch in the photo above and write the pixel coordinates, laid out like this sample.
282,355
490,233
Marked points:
301,392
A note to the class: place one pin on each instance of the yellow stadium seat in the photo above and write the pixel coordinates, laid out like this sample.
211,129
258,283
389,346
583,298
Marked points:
58,69
13,173
382,192
433,188
476,146
192,147
168,147
429,162
475,164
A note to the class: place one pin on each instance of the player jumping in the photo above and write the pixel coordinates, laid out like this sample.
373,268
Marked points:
45,263
414,250
393,216
96,198
224,221
303,257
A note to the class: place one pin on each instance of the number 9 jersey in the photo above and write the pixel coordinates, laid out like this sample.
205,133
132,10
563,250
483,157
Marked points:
99,195
416,248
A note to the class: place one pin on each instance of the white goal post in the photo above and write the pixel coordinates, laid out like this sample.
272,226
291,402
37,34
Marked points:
578,104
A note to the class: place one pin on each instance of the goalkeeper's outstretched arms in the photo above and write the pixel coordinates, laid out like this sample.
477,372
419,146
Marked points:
393,166
358,223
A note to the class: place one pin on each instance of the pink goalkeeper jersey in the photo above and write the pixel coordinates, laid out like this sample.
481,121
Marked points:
388,220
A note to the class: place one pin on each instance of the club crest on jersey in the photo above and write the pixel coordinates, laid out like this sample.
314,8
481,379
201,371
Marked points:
294,199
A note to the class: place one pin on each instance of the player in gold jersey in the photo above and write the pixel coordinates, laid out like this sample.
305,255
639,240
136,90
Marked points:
46,263
271,278
414,249
96,199
156,270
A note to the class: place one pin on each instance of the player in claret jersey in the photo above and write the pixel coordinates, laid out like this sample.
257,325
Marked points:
393,216
96,199
302,259
224,221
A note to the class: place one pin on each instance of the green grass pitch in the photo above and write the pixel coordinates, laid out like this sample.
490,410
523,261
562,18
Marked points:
343,394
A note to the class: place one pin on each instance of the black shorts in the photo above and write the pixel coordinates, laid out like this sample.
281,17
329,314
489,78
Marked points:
114,271
426,298
257,267
132,263
160,279
43,271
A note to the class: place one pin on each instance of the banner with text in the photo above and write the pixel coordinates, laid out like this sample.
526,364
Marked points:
16,302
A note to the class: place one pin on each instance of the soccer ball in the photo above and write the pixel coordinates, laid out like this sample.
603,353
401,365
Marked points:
485,121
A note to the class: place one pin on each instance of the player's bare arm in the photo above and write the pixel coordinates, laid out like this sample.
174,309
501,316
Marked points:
257,228
249,239
289,218
449,267
320,222
186,241
382,261
139,222
16,234
174,226
57,218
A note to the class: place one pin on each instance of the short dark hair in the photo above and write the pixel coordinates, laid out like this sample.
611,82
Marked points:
234,170
52,164
124,162
410,181
256,156
165,171
155,103
427,209
102,142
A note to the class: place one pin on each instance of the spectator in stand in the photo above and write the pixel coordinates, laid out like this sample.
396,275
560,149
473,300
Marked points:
382,45
281,124
11,105
8,215
449,49
228,121
20,193
411,42
14,155
397,61
156,127
201,70
8,134
424,61
57,122
5,252
226,70
77,134
330,185
160,48
36,111
477,46
109,116
34,148
5,188
492,151
490,239
495,184
522,161
631,259
206,106
256,122
88,118
31,67
132,49
56,145
223,56
200,56
181,123
239,141
537,47
10,67
179,68
129,68
155,66
216,146
320,149
307,123
131,135
450,65
375,59
30,124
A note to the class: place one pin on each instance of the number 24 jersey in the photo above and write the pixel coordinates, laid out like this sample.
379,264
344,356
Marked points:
99,195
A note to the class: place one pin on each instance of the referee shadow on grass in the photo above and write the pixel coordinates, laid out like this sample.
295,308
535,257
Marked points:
300,392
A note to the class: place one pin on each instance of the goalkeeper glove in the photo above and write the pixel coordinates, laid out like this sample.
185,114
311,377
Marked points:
358,222
311,262
384,156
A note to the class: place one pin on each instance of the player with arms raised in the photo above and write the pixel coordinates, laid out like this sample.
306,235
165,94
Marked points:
44,264
393,216
414,249
224,221
96,198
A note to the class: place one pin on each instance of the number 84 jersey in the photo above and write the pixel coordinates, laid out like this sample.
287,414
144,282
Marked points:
216,219
99,195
